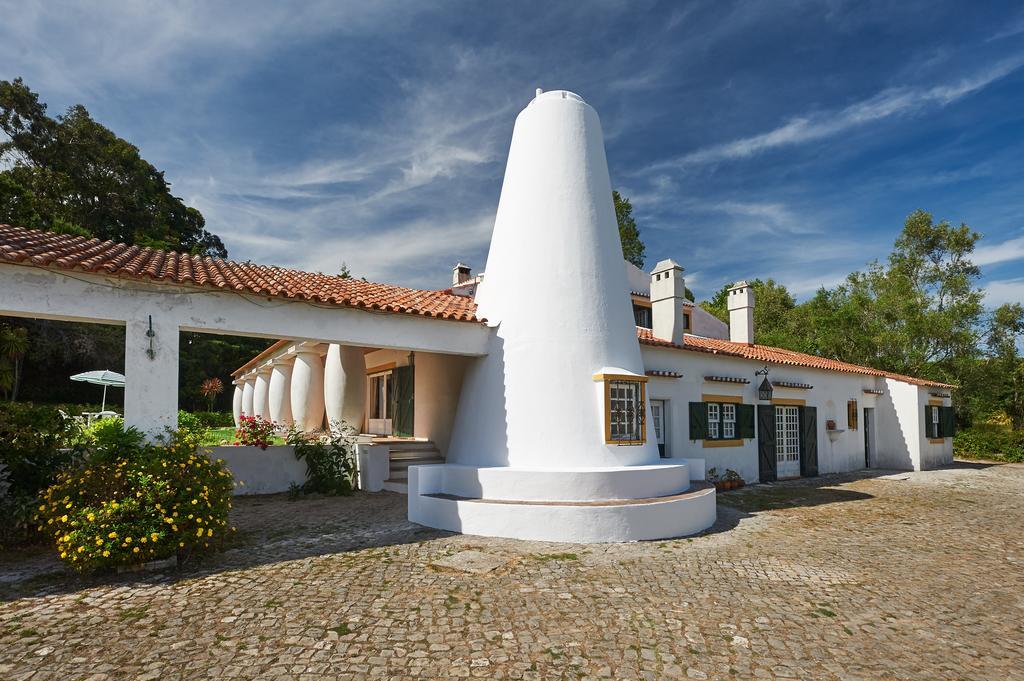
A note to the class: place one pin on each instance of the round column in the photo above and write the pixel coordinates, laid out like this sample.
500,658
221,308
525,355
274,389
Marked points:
307,389
261,391
344,386
248,386
280,391
236,402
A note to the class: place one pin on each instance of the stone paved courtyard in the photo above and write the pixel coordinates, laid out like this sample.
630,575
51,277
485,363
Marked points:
906,575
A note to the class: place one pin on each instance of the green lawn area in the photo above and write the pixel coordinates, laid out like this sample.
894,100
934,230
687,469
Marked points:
217,436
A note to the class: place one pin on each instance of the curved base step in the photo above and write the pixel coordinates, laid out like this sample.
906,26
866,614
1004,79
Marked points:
593,521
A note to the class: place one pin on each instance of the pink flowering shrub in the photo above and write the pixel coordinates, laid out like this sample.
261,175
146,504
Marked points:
254,431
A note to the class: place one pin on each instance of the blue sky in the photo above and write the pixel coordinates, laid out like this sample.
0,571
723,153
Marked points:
755,139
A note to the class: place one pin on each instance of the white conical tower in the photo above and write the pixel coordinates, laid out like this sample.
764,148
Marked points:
554,286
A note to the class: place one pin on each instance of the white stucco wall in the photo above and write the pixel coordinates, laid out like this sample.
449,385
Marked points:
898,428
703,323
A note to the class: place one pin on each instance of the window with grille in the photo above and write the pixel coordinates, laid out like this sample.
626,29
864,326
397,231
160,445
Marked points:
933,424
625,409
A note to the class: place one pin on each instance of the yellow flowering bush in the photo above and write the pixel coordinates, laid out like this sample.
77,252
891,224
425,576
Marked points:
151,503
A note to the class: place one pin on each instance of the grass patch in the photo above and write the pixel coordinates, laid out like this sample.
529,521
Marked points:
341,629
545,557
132,613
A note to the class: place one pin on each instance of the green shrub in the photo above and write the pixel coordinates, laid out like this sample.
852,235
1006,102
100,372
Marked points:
205,419
108,439
330,460
36,443
158,502
997,443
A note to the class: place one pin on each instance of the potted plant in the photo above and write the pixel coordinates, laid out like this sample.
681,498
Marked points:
830,424
732,479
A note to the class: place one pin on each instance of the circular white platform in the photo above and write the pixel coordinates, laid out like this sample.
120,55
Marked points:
576,484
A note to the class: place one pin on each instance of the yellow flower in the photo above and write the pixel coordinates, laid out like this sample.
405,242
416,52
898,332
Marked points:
209,533
99,542
106,554
135,550
63,554
112,535
128,540
91,517
199,532
174,527
43,507
63,518
181,544
81,548
154,536
143,540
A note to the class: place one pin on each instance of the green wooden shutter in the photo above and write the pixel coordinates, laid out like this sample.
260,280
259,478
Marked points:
947,422
767,463
808,441
698,420
928,420
402,406
745,421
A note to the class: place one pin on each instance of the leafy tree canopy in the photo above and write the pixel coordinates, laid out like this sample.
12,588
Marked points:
772,311
72,174
629,233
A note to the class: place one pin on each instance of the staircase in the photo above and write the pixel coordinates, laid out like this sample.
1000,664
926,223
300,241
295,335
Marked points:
405,453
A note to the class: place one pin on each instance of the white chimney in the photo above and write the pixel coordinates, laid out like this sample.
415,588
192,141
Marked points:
741,313
460,273
668,292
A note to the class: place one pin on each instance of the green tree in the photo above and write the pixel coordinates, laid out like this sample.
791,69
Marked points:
72,174
629,233
1004,336
13,346
773,311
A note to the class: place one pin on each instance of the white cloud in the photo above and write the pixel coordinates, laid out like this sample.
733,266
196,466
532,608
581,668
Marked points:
1007,251
1004,291
812,127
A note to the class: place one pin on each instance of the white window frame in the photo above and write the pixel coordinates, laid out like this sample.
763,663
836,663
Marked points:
625,409
714,418
728,421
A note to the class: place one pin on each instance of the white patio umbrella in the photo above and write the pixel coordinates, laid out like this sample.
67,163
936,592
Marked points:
103,377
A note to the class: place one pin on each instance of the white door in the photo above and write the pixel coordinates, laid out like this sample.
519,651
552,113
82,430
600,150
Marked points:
658,417
787,441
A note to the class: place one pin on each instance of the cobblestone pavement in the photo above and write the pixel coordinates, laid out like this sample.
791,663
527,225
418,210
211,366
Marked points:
908,575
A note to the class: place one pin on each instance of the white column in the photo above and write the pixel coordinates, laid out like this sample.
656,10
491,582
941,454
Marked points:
344,385
260,404
151,383
280,391
236,401
248,386
307,388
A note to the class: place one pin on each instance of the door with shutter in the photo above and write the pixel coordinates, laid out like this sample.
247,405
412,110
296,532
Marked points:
808,441
766,461
402,406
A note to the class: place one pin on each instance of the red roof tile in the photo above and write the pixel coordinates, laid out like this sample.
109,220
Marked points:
770,355
63,251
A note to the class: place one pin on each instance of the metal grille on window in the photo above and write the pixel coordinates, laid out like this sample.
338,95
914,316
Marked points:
625,411
728,421
935,422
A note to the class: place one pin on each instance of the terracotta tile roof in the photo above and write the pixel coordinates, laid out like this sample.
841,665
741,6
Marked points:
770,355
82,254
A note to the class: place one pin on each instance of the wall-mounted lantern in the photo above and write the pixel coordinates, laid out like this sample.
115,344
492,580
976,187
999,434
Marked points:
764,391
150,334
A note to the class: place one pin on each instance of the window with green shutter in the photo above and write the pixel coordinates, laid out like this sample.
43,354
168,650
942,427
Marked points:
721,421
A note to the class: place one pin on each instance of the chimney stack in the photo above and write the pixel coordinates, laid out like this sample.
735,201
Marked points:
668,291
460,273
741,313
